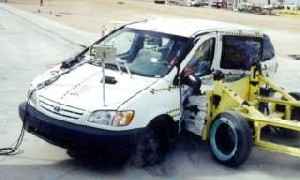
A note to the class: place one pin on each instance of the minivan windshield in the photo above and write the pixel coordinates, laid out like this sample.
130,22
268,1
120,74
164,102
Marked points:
147,53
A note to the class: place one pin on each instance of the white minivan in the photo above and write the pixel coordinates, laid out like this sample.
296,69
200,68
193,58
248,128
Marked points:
146,104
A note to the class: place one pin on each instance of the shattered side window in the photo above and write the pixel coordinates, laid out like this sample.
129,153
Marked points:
202,59
240,52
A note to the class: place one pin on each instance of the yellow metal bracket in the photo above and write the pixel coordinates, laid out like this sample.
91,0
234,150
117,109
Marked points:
243,96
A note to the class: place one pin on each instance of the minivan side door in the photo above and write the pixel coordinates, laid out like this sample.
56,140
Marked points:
199,64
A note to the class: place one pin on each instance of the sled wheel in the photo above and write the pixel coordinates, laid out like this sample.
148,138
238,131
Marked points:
148,149
230,139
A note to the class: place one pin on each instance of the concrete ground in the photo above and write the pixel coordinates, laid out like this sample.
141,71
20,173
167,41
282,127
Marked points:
30,44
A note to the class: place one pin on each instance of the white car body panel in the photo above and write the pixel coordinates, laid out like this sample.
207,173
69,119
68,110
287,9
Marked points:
161,98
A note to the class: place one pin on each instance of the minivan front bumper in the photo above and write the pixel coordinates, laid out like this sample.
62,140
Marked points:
72,136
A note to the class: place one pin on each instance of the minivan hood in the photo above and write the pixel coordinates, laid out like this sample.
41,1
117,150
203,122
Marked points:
82,88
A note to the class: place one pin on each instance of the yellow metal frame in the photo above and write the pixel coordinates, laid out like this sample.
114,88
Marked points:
243,96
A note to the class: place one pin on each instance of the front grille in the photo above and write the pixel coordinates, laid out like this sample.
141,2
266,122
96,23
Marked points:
64,111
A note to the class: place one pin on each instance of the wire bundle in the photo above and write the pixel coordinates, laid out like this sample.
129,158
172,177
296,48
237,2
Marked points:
13,150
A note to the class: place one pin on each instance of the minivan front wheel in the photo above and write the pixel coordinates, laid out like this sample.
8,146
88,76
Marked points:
148,150
155,141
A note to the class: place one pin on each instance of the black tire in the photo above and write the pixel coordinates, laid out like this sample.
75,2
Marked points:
148,150
230,139
155,141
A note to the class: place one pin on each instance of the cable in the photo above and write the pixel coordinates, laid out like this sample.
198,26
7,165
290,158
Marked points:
13,150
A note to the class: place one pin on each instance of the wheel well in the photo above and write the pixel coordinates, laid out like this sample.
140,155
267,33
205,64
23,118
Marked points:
161,121
166,128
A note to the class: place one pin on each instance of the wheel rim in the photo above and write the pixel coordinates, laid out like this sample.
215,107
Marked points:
223,139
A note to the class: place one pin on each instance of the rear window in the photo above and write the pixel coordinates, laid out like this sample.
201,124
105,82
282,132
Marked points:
268,52
240,53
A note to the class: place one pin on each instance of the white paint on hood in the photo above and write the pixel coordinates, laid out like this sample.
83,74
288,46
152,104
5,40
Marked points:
82,88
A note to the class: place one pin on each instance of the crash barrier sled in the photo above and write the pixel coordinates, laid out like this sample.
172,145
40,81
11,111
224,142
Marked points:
241,112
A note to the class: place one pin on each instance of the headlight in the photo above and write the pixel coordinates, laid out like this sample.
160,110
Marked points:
123,118
111,118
